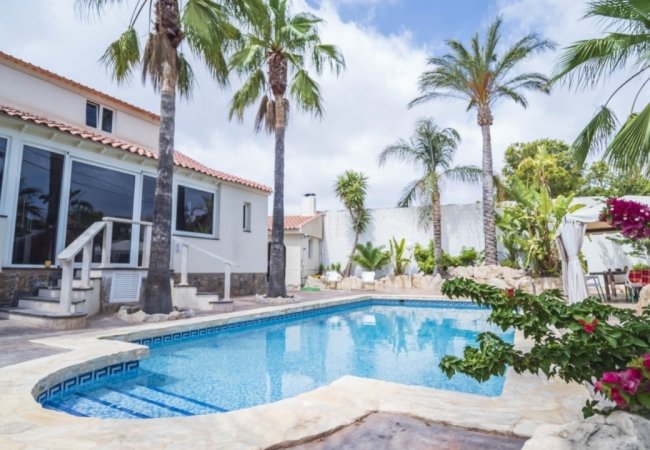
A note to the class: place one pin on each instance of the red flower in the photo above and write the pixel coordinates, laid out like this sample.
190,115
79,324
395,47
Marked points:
611,377
646,360
618,399
630,380
589,327
510,292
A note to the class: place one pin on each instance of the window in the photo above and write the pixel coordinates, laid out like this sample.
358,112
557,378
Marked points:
247,216
107,120
310,243
194,210
148,192
37,213
97,192
92,117
92,114
3,155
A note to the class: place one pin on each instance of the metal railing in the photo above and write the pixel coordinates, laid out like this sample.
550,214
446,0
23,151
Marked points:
84,245
185,246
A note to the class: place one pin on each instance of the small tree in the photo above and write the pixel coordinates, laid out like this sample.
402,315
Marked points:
371,258
351,189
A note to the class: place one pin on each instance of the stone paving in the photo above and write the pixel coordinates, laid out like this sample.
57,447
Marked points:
527,402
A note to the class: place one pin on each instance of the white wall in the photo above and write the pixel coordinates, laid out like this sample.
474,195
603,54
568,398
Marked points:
293,269
33,94
461,226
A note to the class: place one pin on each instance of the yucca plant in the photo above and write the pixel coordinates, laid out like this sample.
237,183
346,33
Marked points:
584,64
274,59
371,258
207,29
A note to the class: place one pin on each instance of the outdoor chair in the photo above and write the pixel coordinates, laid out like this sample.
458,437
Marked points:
332,279
368,278
593,281
618,280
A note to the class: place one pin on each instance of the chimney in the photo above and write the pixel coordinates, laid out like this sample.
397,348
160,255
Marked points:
309,205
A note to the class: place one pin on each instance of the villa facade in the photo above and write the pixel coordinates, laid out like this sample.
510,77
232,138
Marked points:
71,156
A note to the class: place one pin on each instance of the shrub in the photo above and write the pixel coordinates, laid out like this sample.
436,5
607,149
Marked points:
397,255
577,342
424,256
336,267
629,388
371,258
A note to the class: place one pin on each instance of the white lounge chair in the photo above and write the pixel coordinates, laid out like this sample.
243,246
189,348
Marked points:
332,279
368,278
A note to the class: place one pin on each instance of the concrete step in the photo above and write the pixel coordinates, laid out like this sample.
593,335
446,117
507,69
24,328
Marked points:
222,305
77,293
50,304
44,319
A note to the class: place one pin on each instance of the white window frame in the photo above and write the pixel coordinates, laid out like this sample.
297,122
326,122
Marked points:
216,204
248,209
100,116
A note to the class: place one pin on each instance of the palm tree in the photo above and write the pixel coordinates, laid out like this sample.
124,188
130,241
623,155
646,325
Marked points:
206,29
431,150
481,77
274,58
586,63
351,188
371,258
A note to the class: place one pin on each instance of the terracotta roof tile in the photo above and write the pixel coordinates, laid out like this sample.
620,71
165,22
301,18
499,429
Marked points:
180,159
29,67
292,222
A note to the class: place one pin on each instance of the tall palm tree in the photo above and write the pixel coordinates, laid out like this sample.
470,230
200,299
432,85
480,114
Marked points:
206,28
626,45
274,59
481,77
351,188
431,150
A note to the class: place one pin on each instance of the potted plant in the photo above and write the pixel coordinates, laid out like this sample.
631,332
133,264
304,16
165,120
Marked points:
371,259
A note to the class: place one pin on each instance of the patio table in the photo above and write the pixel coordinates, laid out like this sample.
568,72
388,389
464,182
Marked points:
608,279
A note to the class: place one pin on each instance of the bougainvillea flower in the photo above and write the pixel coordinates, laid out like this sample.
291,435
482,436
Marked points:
618,398
611,377
630,380
646,360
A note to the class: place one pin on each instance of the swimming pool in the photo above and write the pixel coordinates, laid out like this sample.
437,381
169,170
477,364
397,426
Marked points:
261,361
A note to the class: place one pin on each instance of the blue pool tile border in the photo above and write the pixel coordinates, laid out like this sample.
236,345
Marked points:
86,378
130,367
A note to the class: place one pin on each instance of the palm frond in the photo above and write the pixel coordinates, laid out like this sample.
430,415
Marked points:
186,79
94,8
630,149
122,56
306,93
464,174
247,94
595,136
158,53
327,55
410,194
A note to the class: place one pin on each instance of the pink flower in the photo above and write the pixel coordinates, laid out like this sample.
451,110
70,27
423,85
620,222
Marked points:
598,386
646,360
611,377
618,399
630,380
589,327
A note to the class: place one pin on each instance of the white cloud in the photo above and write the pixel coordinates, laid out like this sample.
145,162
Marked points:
365,107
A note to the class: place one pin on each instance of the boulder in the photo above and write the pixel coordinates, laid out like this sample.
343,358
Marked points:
525,284
497,283
547,283
313,282
350,283
155,317
138,316
174,315
619,430
402,282
461,272
508,273
487,272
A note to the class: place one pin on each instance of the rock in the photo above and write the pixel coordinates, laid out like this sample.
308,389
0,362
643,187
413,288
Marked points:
547,283
525,284
644,299
497,283
350,283
508,273
187,314
174,315
313,282
402,282
138,316
461,272
619,430
487,272
155,317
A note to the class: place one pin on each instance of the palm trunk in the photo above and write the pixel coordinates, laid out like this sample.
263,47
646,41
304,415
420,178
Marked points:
348,266
436,220
489,216
157,290
277,285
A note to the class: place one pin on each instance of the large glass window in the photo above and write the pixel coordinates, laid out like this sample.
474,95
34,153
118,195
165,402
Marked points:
194,210
148,192
97,192
107,120
39,196
92,114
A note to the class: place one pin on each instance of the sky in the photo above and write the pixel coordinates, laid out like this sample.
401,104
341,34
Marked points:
385,43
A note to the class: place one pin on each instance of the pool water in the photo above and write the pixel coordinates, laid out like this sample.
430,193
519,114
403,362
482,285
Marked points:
259,364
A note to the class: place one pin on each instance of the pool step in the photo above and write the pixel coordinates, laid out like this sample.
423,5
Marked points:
131,402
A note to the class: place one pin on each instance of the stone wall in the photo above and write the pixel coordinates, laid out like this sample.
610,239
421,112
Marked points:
240,283
15,283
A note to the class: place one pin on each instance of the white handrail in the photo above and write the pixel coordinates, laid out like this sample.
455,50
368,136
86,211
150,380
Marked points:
84,243
184,254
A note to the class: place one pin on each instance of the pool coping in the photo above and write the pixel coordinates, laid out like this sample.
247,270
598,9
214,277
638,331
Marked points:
527,400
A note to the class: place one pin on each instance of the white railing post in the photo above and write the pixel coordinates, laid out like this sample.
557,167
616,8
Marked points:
108,242
86,260
146,247
226,283
65,301
184,252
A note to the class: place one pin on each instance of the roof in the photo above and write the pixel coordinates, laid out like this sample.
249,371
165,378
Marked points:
180,159
292,222
58,79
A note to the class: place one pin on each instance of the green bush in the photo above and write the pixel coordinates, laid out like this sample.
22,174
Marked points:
593,338
424,256
371,258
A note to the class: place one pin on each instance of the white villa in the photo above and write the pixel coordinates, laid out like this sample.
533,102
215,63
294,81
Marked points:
74,160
